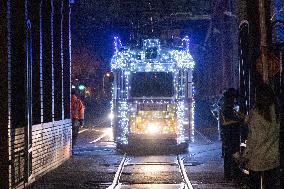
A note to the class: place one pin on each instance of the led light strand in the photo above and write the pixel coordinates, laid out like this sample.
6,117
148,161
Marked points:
170,61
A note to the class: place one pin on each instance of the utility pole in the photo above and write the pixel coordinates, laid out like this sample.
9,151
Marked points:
263,40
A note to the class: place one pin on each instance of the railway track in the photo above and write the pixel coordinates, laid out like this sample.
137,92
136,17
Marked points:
172,167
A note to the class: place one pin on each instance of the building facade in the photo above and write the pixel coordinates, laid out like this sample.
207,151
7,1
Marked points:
35,60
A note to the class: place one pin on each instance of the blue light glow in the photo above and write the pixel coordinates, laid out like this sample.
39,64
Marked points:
167,60
278,19
117,44
152,58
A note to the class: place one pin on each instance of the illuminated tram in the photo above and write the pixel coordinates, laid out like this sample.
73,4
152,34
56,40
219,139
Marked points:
152,100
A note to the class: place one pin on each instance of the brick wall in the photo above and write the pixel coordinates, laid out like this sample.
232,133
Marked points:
51,145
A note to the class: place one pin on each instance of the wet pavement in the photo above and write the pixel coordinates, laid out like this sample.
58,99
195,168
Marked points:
95,163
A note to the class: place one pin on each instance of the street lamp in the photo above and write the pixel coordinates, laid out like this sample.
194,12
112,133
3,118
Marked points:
107,74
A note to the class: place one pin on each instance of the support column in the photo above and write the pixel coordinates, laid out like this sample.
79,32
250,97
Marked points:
4,167
263,39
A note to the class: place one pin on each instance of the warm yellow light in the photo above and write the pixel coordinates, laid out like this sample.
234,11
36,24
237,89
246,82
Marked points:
152,129
109,132
111,116
153,122
150,169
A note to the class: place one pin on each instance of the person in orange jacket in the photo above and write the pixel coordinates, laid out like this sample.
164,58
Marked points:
77,113
77,110
81,112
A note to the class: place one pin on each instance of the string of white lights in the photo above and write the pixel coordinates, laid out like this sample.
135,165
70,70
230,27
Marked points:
152,58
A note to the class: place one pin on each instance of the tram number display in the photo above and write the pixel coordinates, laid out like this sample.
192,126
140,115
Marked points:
152,107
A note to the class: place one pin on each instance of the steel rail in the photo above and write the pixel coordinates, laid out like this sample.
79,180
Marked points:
115,182
183,173
98,139
82,131
118,173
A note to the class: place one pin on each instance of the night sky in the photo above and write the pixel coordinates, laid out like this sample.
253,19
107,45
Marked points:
94,24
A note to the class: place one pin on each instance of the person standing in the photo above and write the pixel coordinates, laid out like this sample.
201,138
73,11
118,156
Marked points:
230,128
262,149
75,113
81,112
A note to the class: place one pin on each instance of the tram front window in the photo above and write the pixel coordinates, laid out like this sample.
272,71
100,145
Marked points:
152,84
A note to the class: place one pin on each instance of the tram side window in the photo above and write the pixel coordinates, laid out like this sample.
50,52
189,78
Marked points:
151,53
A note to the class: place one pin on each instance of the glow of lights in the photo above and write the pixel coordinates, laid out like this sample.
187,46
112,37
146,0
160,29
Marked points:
108,74
181,116
111,116
109,132
165,61
192,121
125,61
158,169
123,122
152,129
117,44
185,42
81,87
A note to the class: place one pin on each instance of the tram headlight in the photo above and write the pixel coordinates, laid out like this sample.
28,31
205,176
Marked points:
111,115
152,129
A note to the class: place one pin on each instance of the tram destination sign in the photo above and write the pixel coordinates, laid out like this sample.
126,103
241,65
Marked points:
152,107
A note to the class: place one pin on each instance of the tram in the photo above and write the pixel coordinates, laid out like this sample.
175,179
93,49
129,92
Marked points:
152,94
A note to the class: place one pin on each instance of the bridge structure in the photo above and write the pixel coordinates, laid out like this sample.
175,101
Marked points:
35,68
35,59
